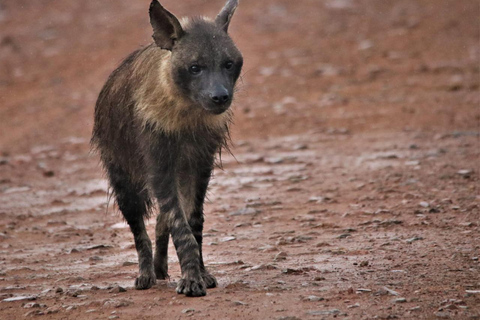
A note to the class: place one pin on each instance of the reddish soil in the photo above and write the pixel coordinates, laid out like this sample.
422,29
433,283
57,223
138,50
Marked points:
355,189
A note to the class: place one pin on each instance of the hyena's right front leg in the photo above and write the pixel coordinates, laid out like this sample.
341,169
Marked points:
188,252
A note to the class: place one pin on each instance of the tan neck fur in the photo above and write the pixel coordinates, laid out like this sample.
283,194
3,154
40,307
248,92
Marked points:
160,104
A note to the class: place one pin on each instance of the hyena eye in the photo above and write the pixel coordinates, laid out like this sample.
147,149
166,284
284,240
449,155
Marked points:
195,69
229,65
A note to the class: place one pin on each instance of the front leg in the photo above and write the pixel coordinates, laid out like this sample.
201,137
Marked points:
187,248
195,213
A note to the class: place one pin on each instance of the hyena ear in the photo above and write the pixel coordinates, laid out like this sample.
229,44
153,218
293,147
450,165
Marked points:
224,17
166,27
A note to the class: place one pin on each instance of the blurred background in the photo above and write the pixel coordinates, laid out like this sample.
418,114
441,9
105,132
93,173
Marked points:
353,193
310,64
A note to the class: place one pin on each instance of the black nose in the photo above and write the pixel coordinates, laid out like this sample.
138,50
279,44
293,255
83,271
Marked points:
220,96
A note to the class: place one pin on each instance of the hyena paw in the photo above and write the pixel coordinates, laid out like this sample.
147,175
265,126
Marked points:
209,280
191,287
145,281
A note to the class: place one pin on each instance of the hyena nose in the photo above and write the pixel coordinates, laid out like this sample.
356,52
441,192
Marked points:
220,96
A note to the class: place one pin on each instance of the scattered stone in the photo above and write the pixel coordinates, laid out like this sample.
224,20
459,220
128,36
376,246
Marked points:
323,312
240,303
245,211
58,290
465,173
313,298
280,256
392,292
473,291
129,263
117,289
414,239
400,300
356,305
424,204
227,239
19,298
31,305
99,246
364,263
188,310
362,290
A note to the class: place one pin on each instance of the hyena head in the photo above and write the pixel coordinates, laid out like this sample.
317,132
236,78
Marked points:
205,63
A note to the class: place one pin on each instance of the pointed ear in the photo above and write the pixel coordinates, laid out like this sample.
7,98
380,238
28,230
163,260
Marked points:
166,27
224,17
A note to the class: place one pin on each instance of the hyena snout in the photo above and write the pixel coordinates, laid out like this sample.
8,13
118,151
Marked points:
219,98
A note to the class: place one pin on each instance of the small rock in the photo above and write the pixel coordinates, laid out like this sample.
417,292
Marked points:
240,303
188,310
129,263
392,292
323,312
465,173
424,204
117,289
244,211
313,298
356,305
361,290
19,298
227,239
414,239
400,300
280,256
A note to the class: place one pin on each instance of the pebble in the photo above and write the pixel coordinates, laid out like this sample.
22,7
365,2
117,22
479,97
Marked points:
313,298
188,310
392,292
323,312
227,239
465,173
117,289
19,298
424,204
244,211
400,300
414,239
240,303
280,256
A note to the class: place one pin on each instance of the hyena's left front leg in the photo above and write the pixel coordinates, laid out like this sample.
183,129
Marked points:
196,217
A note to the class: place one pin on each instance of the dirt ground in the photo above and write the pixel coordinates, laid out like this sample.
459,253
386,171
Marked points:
353,194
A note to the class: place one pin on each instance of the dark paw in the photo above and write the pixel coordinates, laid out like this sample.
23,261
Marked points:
209,280
191,288
145,281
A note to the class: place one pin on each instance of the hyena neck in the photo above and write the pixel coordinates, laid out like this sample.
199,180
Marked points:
159,104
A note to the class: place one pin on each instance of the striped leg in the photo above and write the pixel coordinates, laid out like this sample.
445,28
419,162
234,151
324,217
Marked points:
132,202
162,234
196,220
188,252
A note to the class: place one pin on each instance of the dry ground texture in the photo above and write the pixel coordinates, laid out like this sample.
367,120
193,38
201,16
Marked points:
355,189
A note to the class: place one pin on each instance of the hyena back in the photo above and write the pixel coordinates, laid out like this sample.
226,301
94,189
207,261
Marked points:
160,119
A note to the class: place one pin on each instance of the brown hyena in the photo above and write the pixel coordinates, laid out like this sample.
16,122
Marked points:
160,120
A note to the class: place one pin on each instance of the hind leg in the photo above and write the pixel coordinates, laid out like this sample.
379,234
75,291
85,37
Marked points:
162,233
132,201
